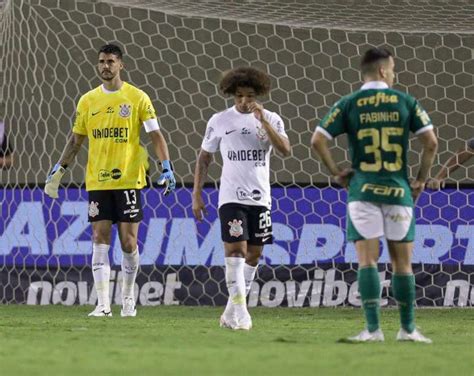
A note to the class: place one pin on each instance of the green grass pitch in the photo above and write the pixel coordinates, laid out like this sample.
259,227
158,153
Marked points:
58,340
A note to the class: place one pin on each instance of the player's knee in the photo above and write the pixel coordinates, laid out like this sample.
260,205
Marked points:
129,244
252,258
402,267
238,252
101,237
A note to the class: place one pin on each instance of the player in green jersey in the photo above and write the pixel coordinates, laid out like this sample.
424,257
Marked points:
377,120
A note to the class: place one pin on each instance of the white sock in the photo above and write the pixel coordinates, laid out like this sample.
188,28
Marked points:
130,263
249,275
101,272
234,277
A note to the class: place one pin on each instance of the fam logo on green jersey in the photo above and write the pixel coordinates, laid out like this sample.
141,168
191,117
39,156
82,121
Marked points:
383,190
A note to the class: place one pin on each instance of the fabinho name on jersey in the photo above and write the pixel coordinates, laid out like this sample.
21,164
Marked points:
376,117
120,134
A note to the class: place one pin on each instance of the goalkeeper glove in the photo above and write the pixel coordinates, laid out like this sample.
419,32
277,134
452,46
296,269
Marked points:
53,180
167,177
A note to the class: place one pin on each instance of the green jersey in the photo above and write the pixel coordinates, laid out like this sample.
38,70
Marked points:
377,122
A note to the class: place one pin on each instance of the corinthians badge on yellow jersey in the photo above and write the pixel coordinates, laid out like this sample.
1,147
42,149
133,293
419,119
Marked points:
125,110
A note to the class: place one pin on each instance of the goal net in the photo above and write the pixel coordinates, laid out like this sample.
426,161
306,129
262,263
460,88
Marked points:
175,51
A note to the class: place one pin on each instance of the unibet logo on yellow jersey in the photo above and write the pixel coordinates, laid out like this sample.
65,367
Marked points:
112,122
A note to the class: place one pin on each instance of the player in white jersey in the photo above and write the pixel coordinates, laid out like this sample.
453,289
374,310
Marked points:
245,134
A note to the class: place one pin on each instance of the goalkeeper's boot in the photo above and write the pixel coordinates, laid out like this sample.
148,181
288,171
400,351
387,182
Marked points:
414,336
101,311
128,307
366,336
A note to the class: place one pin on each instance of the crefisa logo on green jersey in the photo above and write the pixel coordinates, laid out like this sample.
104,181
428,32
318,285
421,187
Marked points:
105,175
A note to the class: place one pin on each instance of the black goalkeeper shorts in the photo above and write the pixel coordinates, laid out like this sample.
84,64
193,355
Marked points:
120,205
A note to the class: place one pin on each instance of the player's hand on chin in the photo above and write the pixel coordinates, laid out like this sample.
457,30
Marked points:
257,110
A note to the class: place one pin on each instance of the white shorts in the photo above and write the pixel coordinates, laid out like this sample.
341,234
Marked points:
372,220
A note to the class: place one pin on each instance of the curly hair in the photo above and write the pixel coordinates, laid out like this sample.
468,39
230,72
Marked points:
245,77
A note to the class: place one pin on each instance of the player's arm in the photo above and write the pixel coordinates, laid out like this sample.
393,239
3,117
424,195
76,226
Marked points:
332,125
161,150
429,145
451,165
6,161
319,142
150,122
279,142
200,176
70,151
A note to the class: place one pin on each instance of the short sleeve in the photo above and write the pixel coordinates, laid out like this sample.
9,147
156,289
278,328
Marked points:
420,120
277,123
146,109
470,144
79,126
333,123
211,141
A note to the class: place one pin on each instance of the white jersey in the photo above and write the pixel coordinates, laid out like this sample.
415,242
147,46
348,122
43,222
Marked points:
245,150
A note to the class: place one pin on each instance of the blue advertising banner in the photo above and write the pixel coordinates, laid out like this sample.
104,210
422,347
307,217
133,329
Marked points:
308,228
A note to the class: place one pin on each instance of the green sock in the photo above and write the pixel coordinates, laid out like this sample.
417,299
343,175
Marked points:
369,289
403,287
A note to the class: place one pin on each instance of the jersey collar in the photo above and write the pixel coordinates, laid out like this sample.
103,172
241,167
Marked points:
374,85
104,90
234,108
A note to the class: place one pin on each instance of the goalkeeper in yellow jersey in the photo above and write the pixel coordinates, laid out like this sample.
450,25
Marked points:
111,117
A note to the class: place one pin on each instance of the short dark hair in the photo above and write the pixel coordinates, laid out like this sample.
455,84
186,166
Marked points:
372,58
111,49
245,77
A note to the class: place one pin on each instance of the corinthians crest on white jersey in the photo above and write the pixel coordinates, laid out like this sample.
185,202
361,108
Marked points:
125,110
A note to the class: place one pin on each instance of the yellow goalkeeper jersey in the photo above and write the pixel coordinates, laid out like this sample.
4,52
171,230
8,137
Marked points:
112,122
